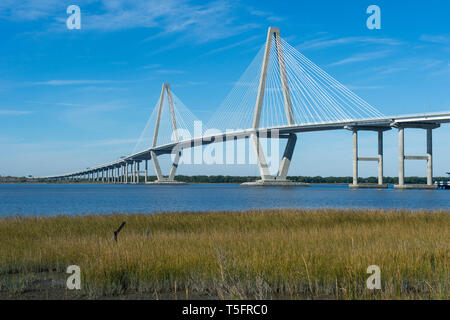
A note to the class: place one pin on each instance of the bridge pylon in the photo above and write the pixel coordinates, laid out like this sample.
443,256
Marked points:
273,34
161,179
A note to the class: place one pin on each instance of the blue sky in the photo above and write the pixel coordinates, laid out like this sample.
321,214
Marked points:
70,99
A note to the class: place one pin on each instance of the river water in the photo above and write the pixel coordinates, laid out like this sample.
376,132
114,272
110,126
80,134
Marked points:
54,199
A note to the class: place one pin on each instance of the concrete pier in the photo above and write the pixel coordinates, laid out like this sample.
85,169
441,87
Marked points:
401,156
165,182
275,182
428,158
357,158
146,171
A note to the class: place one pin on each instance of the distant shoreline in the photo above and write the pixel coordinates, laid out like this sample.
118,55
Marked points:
219,179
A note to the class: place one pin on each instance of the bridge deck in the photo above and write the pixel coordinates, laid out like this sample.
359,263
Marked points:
415,121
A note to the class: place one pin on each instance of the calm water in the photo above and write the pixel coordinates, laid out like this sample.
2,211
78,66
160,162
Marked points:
52,199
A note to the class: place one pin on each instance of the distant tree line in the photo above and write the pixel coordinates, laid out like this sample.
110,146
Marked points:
239,179
10,179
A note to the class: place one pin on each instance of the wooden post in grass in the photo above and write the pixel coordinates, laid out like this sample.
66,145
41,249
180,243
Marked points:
118,230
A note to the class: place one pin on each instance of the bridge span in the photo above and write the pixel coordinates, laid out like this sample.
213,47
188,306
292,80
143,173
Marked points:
310,100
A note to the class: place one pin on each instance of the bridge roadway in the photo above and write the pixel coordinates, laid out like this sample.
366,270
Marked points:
427,121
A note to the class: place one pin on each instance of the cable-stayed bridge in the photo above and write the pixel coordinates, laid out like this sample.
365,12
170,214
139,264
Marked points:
281,93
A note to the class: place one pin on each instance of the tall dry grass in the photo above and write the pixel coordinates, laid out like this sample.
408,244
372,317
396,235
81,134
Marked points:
250,254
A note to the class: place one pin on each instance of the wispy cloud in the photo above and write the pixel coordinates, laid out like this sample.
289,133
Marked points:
169,71
159,69
231,46
416,64
110,142
326,42
153,66
189,84
73,82
199,22
61,104
28,10
443,70
440,39
268,15
10,112
360,57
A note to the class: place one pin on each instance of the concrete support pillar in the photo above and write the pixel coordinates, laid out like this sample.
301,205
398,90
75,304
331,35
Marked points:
260,158
287,157
380,157
126,173
173,170
355,157
429,157
158,171
401,156
146,171
136,169
138,173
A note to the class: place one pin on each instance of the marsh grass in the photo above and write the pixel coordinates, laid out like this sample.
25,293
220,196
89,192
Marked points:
269,254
